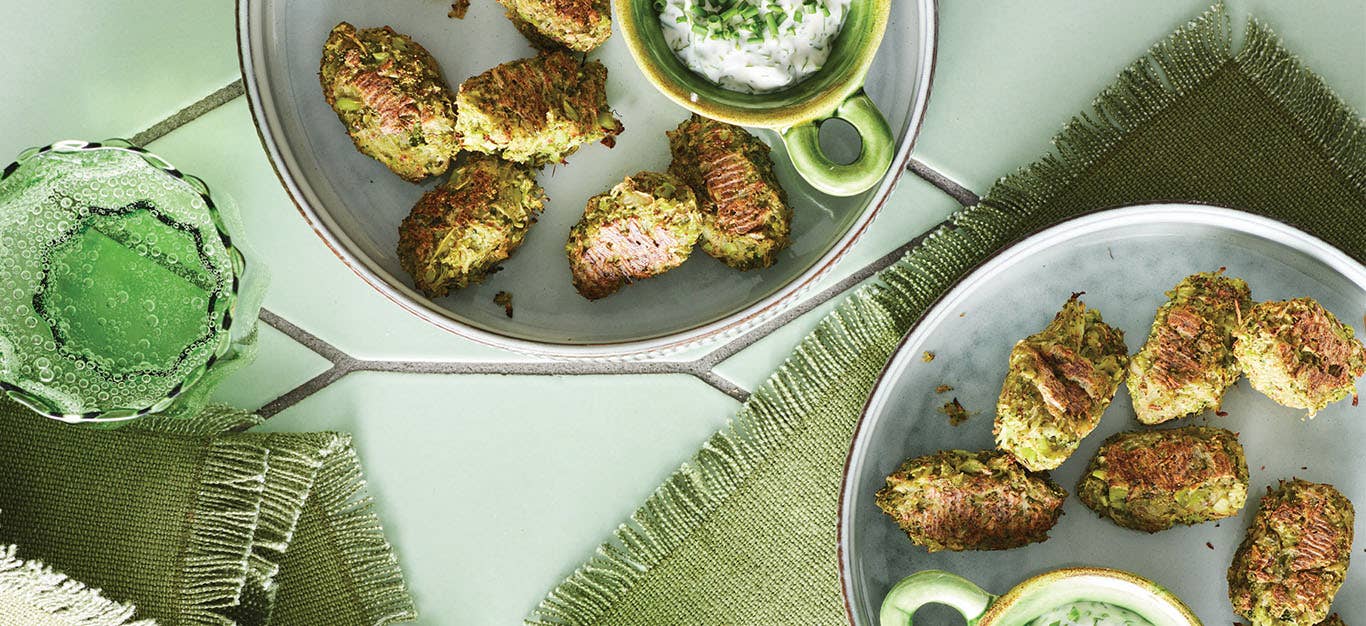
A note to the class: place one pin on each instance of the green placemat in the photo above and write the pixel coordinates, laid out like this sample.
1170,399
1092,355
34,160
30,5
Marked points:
190,526
751,518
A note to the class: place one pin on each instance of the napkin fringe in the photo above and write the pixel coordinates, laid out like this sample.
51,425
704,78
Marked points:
1325,118
54,593
1172,68
290,472
368,558
227,511
874,317
689,497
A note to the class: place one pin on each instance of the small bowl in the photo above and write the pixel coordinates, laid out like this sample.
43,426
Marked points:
1034,597
836,91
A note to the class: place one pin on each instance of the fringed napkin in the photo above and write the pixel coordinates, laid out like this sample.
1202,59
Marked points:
189,524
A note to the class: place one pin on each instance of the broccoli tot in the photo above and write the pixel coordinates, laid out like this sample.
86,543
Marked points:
1153,480
960,500
1294,557
643,227
580,25
459,232
746,218
1060,381
389,93
1187,363
1299,354
537,110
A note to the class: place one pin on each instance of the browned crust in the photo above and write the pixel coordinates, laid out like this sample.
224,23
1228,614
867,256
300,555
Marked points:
999,508
623,252
1317,332
1066,380
1294,550
1169,464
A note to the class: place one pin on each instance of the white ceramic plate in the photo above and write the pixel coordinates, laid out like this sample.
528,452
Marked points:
1124,260
356,205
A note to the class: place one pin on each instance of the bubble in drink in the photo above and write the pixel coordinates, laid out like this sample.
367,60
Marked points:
110,250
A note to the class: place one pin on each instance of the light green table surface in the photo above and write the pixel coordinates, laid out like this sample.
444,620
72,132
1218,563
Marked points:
497,473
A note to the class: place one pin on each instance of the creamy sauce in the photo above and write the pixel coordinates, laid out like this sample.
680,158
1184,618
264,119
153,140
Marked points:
1090,614
753,46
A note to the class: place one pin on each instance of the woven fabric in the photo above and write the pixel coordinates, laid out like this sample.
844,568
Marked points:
190,525
745,532
32,594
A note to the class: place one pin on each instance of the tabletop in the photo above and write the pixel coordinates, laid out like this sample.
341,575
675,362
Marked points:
497,473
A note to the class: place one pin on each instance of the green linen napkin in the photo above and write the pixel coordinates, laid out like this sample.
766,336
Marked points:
751,518
31,594
191,524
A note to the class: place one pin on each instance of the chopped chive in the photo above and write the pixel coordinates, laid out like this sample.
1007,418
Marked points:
798,16
699,29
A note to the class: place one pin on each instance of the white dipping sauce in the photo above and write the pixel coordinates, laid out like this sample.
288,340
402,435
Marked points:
753,46
1090,614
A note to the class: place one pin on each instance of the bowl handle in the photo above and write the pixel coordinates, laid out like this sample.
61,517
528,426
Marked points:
934,587
804,147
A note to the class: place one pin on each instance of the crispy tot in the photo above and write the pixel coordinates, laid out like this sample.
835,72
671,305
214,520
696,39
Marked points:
537,110
459,232
1294,557
388,92
1187,363
960,500
746,218
1298,354
1059,383
580,25
1152,480
643,227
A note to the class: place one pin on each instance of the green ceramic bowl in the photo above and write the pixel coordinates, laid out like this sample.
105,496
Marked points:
1032,598
836,91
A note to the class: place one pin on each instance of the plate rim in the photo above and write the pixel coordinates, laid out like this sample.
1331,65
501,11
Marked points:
1186,212
729,325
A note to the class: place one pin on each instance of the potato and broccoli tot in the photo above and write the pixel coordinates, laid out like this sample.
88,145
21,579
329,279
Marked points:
388,92
643,227
1152,480
459,232
960,500
579,25
1060,381
1294,557
1299,354
746,218
537,110
1187,363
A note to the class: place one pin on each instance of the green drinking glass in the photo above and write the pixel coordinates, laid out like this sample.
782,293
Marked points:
123,291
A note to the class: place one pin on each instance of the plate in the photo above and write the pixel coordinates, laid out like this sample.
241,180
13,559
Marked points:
356,205
1124,259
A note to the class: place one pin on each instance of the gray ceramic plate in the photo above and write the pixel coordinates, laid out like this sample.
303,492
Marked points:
1124,260
356,205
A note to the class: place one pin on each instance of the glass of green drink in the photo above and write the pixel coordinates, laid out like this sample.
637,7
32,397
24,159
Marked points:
122,291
